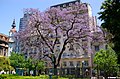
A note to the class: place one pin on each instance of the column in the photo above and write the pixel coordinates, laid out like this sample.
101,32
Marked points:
2,51
6,51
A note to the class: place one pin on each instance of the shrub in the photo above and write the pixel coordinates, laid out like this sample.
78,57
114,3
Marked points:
69,76
10,76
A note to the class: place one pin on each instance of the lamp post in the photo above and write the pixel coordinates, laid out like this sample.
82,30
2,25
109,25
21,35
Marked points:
82,69
75,72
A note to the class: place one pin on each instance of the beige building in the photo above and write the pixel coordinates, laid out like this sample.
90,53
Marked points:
3,45
79,59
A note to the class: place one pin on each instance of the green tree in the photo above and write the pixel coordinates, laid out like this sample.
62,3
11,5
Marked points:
5,64
40,66
17,60
110,16
106,60
33,64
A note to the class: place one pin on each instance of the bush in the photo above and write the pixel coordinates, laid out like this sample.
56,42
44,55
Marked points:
5,64
10,76
69,76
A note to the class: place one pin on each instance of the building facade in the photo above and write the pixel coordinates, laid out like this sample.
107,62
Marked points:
23,21
4,44
79,61
70,59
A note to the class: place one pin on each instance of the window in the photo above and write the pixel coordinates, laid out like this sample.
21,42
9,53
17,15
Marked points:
58,6
64,54
70,4
45,50
71,55
85,54
71,48
86,63
78,63
51,35
64,64
35,50
64,6
71,63
58,49
30,50
96,48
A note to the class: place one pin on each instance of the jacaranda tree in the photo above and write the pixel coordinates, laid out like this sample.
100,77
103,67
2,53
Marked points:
57,26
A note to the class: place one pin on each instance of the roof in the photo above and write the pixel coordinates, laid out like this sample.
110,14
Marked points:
3,35
67,3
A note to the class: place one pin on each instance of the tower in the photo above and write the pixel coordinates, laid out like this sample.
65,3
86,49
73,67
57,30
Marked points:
13,29
24,21
12,40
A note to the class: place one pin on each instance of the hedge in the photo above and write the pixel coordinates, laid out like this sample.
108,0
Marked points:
9,76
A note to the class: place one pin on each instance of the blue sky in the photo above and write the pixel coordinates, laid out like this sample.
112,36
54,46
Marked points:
13,9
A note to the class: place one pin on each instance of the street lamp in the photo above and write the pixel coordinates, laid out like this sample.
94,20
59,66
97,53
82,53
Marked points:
82,69
75,72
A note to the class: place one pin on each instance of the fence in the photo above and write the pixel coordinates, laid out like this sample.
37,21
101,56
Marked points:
76,71
82,72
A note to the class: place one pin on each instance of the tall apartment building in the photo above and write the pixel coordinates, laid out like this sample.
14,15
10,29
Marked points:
32,51
70,59
22,25
23,21
91,18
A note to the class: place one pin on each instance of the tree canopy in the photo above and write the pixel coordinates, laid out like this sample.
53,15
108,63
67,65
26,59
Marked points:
106,60
47,28
33,64
17,60
5,64
61,26
110,13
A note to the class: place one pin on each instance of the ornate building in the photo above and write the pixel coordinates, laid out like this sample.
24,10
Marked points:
12,39
3,45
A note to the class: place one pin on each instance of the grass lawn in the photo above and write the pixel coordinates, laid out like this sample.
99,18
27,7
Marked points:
9,76
5,76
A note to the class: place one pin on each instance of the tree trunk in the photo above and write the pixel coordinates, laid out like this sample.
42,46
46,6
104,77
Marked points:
106,75
39,72
34,72
55,69
97,73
